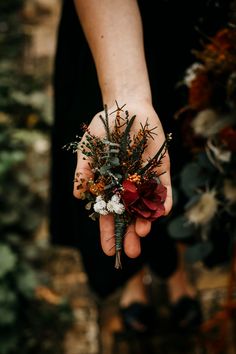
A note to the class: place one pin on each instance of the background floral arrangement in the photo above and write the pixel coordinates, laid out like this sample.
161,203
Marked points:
208,178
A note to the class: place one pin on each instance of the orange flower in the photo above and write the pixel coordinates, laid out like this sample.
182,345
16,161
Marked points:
200,92
134,178
97,188
223,41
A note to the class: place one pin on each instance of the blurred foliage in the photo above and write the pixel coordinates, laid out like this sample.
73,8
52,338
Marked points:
25,317
22,92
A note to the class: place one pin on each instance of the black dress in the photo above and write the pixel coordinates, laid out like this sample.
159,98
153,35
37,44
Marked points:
170,32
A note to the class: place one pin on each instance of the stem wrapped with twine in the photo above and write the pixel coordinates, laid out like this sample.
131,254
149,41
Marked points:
120,228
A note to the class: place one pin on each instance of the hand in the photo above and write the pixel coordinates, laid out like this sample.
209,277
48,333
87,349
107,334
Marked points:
140,227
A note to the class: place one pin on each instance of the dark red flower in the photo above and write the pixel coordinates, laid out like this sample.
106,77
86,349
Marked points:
200,92
144,200
224,40
228,137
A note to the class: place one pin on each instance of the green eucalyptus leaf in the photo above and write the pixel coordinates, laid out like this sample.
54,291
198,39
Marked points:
180,228
88,206
114,161
118,176
198,251
192,201
193,177
103,170
8,260
203,161
94,216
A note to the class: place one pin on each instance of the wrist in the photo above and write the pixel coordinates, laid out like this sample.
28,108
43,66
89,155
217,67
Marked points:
130,96
125,85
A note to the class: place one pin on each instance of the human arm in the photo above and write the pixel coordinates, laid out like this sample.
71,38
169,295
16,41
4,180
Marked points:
114,33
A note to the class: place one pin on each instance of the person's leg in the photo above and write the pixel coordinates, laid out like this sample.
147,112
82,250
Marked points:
179,284
134,290
165,259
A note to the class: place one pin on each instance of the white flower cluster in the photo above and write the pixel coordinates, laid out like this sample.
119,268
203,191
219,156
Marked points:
191,73
202,212
112,206
100,206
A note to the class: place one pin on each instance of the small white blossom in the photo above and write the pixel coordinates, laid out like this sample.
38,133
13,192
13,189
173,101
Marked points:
204,210
99,199
100,206
115,198
219,153
114,205
229,189
191,73
206,123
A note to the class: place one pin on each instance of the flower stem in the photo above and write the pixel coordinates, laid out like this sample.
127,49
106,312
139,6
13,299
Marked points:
120,227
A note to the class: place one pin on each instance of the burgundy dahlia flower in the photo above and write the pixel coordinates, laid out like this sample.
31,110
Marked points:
145,200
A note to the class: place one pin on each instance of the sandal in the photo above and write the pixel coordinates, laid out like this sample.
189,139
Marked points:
138,317
186,313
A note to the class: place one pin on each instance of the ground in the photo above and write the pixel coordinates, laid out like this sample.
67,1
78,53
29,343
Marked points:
97,327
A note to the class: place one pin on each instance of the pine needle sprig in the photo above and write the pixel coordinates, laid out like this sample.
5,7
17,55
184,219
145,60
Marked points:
157,159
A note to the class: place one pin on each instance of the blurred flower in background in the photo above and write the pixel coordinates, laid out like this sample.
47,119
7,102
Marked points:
207,180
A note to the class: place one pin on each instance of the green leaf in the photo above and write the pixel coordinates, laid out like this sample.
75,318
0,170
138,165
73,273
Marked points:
26,280
180,228
198,252
8,316
103,170
192,201
193,177
7,296
9,217
114,161
8,260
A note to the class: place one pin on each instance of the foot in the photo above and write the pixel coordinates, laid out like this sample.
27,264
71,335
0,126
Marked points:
179,286
136,312
185,308
135,291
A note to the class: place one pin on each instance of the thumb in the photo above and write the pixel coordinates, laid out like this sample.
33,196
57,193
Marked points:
82,175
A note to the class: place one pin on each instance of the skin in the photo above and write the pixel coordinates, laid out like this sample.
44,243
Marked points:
113,30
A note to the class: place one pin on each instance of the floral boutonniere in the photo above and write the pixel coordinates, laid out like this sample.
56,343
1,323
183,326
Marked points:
123,183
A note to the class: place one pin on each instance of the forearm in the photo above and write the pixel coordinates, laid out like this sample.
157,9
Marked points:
113,30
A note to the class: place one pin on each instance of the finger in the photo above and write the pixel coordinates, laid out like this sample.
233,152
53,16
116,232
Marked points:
132,245
164,175
142,227
107,234
82,174
169,201
163,170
